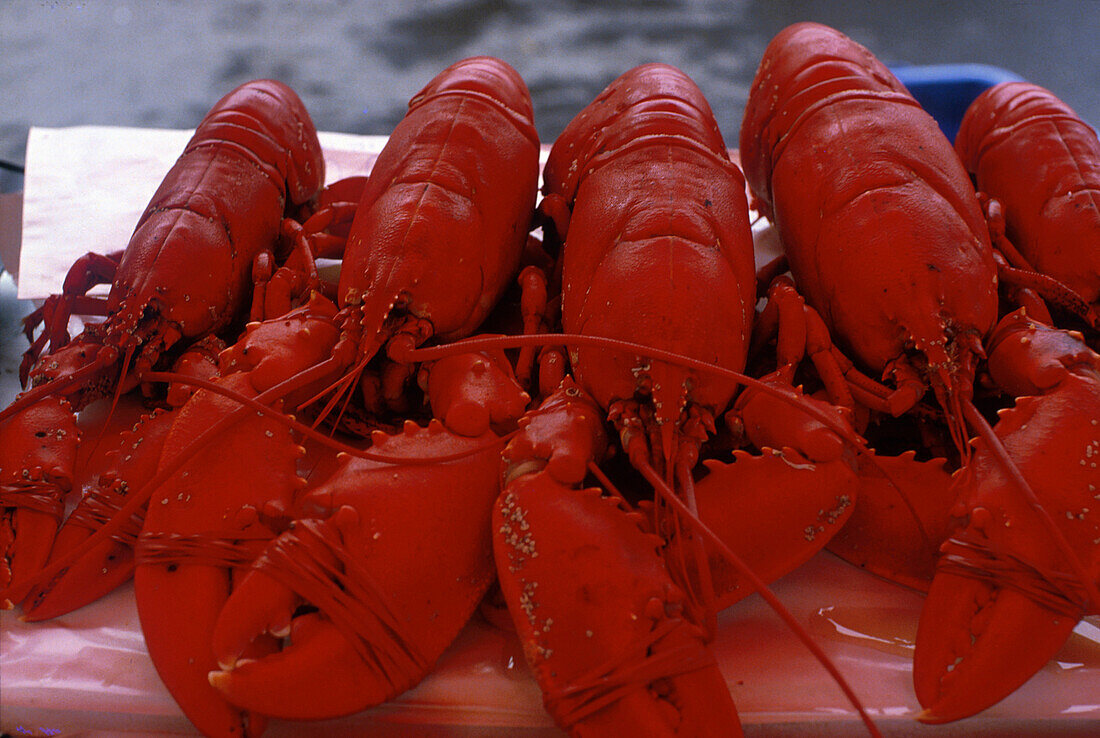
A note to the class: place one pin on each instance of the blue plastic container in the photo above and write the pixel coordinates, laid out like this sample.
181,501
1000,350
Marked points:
946,90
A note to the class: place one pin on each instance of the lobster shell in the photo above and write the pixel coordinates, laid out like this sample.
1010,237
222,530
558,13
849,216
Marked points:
446,211
1030,151
659,249
878,219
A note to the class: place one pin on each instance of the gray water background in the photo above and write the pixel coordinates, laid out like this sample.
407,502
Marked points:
163,63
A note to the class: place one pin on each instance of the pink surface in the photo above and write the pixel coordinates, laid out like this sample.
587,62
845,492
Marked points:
90,671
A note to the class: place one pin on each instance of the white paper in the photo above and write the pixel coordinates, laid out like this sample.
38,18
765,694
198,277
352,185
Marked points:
86,186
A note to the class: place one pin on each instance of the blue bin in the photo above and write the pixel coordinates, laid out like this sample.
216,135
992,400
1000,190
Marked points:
946,90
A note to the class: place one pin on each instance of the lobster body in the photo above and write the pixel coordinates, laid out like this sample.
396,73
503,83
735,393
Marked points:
185,274
878,219
658,230
445,213
887,239
436,238
1032,153
187,269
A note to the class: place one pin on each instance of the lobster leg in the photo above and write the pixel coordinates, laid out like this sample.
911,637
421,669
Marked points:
601,621
86,272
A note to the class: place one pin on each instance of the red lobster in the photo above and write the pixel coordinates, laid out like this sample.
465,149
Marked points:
884,235
657,257
185,274
436,239
1031,153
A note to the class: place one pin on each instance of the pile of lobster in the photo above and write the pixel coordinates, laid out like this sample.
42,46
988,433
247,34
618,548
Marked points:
625,423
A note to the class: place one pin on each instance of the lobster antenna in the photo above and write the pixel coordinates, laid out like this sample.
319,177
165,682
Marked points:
116,396
50,389
1016,477
702,565
341,389
760,586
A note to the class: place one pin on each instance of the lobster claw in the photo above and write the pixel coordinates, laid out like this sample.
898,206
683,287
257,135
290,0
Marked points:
601,621
38,448
977,643
394,574
474,392
903,515
1012,584
204,522
320,674
778,508
130,465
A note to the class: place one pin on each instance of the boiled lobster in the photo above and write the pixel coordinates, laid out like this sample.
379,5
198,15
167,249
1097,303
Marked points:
436,238
1040,162
885,237
917,316
657,264
185,274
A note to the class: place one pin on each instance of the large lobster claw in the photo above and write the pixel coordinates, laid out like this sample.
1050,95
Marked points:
38,448
778,508
133,464
903,515
1012,584
205,521
601,620
394,574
